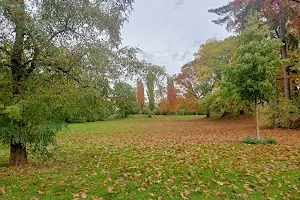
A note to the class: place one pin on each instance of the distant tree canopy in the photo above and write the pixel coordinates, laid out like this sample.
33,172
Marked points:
125,99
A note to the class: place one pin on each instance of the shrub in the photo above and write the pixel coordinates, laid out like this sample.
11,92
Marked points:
271,141
253,140
286,114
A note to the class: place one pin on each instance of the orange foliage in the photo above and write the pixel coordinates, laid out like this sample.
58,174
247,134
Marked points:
140,93
164,106
188,105
182,106
172,99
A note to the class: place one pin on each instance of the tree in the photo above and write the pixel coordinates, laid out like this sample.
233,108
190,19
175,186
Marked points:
171,95
212,58
206,104
164,106
125,99
188,81
153,77
187,106
32,33
252,74
140,93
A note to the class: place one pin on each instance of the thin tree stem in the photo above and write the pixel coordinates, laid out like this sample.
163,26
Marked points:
257,120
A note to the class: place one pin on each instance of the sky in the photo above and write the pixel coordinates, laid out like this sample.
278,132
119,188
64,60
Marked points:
169,32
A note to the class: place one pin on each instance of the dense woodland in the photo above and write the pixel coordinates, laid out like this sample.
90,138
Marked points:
61,62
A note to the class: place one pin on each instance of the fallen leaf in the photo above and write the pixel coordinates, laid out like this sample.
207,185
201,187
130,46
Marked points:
41,192
83,195
110,189
2,189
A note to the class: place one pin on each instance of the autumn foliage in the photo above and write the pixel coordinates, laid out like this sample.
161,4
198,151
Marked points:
172,96
140,93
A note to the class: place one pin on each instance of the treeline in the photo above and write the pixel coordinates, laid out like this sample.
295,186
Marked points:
256,70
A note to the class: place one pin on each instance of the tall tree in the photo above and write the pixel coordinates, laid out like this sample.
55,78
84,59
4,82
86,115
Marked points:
140,93
211,60
153,77
206,70
187,81
252,74
30,32
171,95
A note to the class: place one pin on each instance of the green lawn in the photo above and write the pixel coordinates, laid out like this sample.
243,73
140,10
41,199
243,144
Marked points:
169,157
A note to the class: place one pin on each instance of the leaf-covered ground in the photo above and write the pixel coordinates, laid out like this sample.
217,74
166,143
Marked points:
161,158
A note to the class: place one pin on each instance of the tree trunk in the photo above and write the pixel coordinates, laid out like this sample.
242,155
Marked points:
242,112
275,105
18,155
207,115
282,29
257,120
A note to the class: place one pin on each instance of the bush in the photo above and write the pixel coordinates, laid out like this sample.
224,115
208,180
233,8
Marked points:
271,141
286,114
253,140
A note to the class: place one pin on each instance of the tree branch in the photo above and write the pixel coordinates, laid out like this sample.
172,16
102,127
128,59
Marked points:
72,77
38,49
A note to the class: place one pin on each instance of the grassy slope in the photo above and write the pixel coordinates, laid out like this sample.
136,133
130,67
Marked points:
159,158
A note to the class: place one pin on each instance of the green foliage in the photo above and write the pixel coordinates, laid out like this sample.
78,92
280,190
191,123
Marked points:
212,59
153,78
252,74
32,121
267,117
48,49
288,113
226,102
271,141
285,114
88,106
5,87
125,99
253,140
206,104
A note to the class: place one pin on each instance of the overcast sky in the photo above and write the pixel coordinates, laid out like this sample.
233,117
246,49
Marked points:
170,31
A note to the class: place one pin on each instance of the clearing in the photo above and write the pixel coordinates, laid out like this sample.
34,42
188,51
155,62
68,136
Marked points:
163,157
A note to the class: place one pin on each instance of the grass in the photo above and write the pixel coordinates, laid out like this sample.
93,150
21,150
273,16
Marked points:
164,157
